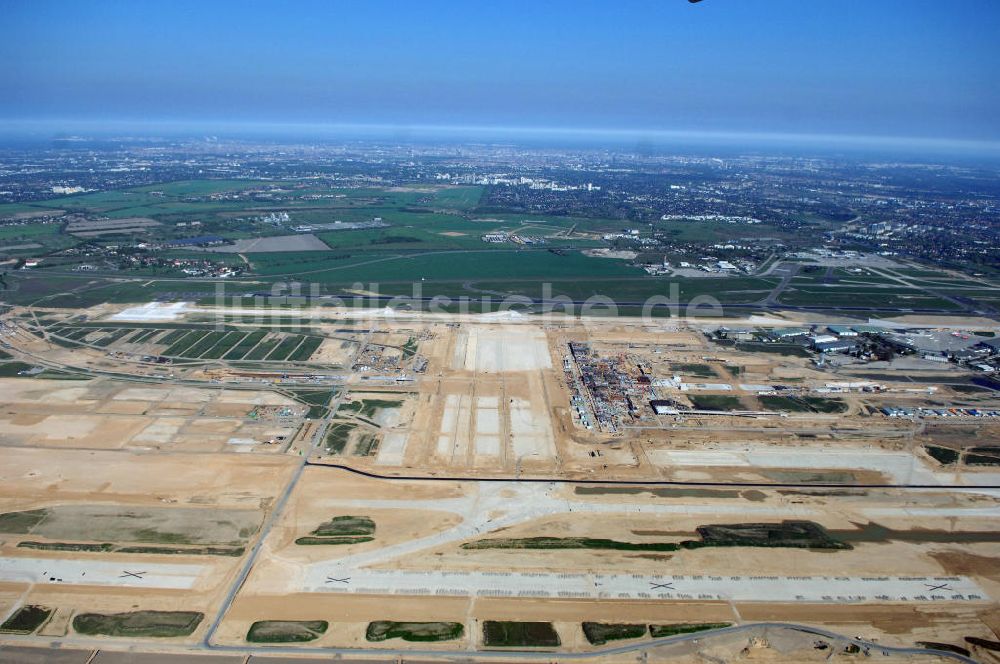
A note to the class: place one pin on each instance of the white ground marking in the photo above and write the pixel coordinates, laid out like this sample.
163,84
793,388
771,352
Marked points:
449,426
900,467
496,505
645,587
500,348
153,311
501,504
531,436
487,437
392,449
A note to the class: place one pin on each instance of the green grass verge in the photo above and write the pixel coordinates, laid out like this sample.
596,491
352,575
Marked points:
26,620
286,631
943,455
380,630
160,624
344,529
104,547
791,350
332,541
20,523
803,404
569,543
340,526
661,631
510,634
787,534
600,633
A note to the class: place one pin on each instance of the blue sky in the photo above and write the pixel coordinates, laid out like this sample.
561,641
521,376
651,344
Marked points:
921,68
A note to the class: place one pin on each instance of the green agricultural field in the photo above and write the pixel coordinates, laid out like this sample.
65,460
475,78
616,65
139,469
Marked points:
458,198
713,231
716,402
304,264
306,349
367,445
312,397
803,404
112,336
285,347
698,370
143,336
14,233
186,342
10,209
21,523
337,436
368,408
525,264
263,349
637,289
173,336
244,345
203,344
791,350
224,345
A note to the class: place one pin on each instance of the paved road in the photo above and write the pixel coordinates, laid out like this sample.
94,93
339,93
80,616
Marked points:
318,437
323,578
14,653
653,482
789,270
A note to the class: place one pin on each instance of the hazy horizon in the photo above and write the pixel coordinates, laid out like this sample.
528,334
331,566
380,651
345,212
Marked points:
895,71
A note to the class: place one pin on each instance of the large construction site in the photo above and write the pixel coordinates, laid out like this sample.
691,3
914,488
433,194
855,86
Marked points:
379,484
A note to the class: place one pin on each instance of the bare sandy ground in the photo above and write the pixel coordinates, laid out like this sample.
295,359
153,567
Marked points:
493,401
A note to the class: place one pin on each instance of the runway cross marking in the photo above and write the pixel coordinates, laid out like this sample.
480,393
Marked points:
661,586
136,575
931,587
345,580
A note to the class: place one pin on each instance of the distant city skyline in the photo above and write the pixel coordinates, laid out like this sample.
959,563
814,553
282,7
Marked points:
780,70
